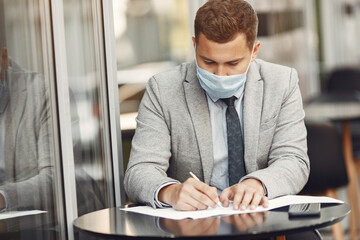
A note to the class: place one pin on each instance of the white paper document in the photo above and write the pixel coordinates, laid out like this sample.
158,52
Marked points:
14,214
274,203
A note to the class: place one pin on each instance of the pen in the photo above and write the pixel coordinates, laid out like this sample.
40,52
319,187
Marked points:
196,178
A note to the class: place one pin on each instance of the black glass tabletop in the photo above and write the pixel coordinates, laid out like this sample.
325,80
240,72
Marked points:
115,223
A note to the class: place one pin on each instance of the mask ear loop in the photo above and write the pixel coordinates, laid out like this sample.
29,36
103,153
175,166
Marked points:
252,53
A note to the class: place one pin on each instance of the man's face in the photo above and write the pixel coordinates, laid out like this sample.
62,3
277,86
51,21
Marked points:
224,59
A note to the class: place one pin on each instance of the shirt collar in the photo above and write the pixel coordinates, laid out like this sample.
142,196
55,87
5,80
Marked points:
237,95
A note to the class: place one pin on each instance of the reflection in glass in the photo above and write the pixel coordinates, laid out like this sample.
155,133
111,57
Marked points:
85,74
27,157
213,225
243,222
190,227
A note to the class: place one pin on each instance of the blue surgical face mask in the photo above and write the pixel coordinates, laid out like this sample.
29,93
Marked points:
221,86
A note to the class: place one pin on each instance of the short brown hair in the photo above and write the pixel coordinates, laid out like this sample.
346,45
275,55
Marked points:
221,20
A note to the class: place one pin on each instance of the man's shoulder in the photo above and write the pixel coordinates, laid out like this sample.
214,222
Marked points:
269,69
23,78
174,76
276,75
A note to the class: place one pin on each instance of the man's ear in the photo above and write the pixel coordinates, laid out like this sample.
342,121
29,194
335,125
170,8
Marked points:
194,41
256,50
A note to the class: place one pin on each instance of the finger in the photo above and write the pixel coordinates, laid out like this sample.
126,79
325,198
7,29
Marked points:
198,199
192,196
199,203
248,220
203,200
255,201
194,227
239,195
258,218
239,223
264,202
186,201
183,206
225,196
214,226
248,196
206,227
211,192
227,219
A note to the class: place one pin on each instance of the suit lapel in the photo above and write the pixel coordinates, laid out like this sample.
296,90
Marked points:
253,98
199,112
14,114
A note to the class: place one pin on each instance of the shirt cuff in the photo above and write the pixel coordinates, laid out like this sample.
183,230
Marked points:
265,189
157,202
6,201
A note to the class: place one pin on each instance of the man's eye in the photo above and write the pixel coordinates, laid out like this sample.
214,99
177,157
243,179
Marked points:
233,63
208,62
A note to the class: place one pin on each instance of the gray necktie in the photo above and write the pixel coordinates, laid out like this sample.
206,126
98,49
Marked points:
235,143
4,98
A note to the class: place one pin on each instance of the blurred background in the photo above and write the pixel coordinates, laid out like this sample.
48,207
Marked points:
313,36
95,58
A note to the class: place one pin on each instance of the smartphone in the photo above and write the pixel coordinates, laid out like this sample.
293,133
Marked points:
304,210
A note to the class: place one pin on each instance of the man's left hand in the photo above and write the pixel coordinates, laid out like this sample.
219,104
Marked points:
249,192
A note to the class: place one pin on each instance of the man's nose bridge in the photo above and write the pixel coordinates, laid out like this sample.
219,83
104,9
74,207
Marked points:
220,70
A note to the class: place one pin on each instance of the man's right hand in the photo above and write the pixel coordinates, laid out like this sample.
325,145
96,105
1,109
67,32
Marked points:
190,195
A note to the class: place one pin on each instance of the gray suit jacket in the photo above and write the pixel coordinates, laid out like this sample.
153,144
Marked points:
173,134
28,165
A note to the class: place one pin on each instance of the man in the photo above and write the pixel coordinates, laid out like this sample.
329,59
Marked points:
26,169
26,160
234,121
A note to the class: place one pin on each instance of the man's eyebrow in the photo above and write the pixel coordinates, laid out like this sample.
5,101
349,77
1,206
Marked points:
205,58
235,60
232,60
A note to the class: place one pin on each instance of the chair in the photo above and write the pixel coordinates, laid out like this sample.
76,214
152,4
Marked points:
327,165
344,80
347,80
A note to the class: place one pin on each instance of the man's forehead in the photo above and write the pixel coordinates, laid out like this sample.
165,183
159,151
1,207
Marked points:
237,46
239,39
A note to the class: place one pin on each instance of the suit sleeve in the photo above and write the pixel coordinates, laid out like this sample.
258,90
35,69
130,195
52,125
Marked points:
288,163
151,149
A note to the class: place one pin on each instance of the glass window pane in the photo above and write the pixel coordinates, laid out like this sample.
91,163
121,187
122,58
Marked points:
27,137
84,49
151,36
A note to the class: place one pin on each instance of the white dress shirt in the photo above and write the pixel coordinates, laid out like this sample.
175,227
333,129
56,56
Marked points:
217,111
